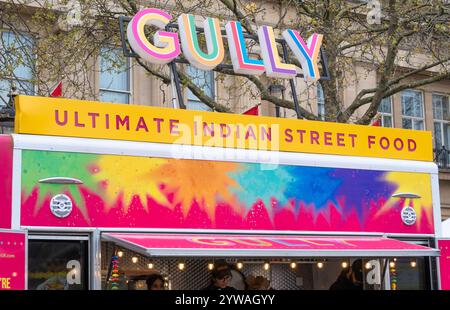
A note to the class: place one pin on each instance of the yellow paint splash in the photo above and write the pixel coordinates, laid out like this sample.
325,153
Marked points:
407,182
130,176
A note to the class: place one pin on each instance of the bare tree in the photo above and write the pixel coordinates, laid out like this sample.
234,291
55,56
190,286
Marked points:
389,42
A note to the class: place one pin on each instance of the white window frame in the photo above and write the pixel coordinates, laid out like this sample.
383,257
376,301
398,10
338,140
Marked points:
319,103
440,121
130,77
13,79
391,115
415,118
213,87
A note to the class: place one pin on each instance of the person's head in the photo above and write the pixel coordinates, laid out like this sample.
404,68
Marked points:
155,282
221,275
356,272
257,283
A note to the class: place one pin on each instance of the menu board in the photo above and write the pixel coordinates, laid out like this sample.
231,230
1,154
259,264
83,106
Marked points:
12,260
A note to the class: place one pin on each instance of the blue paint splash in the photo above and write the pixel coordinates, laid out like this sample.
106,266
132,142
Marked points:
313,185
261,182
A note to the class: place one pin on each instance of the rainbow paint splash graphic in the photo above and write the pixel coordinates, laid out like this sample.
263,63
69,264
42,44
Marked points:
143,192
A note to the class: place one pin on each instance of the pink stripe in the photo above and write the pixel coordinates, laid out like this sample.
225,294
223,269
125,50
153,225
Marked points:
309,51
238,42
134,27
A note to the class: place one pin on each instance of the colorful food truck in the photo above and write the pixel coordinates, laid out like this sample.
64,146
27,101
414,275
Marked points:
99,196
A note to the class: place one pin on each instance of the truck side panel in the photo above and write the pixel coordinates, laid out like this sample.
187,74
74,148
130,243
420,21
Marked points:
167,193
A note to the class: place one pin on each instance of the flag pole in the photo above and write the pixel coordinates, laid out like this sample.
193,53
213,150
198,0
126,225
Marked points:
177,96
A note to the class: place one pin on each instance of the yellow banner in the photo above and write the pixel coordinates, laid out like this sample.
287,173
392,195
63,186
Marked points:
88,119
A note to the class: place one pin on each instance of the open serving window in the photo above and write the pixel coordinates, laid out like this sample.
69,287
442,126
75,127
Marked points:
286,262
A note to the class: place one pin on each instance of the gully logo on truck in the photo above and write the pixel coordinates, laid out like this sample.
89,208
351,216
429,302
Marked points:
166,45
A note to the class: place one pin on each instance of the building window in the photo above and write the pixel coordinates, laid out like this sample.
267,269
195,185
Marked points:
385,110
205,81
412,110
320,102
114,76
17,62
441,121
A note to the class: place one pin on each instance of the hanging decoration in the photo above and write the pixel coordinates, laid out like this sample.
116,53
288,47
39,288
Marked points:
114,279
393,274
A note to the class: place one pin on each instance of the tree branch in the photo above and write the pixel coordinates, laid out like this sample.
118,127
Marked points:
419,70
165,79
233,7
391,91
197,91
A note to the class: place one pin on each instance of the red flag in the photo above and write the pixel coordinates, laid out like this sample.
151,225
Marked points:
376,121
57,90
252,111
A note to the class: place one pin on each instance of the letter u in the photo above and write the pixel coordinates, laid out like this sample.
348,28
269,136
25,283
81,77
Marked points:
58,121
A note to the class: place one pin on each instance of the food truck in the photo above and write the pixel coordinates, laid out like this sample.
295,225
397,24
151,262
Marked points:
99,196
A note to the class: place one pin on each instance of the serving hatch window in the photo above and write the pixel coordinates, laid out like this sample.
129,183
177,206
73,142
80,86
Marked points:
123,269
57,264
408,274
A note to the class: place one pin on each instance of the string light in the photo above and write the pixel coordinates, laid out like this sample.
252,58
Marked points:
293,265
392,264
150,265
320,265
266,266
210,266
344,264
239,265
181,265
413,264
120,253
134,259
368,265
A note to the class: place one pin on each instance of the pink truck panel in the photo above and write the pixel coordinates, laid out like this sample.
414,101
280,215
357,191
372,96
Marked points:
12,260
444,263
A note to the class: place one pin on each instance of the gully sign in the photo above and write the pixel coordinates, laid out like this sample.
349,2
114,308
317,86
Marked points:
166,45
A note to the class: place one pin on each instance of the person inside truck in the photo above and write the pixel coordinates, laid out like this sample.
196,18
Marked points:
155,282
351,278
221,277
